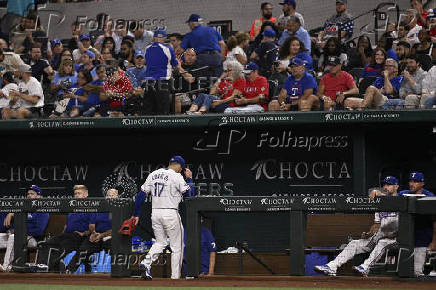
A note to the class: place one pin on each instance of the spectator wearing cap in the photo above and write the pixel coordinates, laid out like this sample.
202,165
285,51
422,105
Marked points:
87,60
266,53
83,45
236,45
8,85
36,224
294,28
411,87
255,94
208,44
159,59
28,100
425,238
384,88
9,61
266,9
299,90
78,228
143,38
389,185
341,21
54,52
136,74
336,84
289,9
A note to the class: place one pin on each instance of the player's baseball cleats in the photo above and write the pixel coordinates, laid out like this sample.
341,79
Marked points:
362,271
145,272
325,269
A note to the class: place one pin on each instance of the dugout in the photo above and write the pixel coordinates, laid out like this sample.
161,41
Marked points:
291,154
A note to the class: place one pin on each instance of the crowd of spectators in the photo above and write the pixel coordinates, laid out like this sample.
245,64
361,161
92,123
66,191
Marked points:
275,66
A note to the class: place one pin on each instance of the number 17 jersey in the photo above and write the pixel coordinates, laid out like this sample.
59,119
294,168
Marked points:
166,188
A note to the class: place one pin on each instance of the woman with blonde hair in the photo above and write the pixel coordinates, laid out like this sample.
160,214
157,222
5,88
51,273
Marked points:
236,45
224,91
64,79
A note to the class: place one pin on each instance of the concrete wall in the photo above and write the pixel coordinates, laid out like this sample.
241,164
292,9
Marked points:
173,14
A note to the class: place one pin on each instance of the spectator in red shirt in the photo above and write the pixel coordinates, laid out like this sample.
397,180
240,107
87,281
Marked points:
422,14
266,11
336,84
254,96
117,90
222,94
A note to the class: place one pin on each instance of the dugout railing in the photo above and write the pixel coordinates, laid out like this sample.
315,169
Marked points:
298,208
120,210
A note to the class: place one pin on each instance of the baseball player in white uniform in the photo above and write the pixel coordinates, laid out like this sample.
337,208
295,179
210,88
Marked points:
167,188
380,237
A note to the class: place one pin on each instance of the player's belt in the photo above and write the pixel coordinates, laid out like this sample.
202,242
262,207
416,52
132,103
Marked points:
165,208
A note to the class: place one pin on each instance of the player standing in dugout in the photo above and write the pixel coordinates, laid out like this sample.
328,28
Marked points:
167,188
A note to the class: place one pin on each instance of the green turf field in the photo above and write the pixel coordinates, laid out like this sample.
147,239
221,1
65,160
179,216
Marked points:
80,287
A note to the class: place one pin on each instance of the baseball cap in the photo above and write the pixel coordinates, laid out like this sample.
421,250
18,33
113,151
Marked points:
269,32
416,176
333,60
178,159
193,18
297,61
36,189
85,36
127,227
391,180
24,68
341,1
251,66
160,32
140,53
431,13
289,2
90,53
55,42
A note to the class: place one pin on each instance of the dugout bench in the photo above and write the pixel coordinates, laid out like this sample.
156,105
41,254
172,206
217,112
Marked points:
120,210
298,208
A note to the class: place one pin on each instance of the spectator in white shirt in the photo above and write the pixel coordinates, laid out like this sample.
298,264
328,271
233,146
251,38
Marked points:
414,28
28,100
143,38
8,85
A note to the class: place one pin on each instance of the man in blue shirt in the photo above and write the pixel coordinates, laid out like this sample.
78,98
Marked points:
208,252
299,90
99,240
208,43
160,60
383,89
294,28
36,224
425,238
77,229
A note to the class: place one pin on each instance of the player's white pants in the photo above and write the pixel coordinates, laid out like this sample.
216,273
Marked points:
167,223
353,248
379,250
419,256
7,241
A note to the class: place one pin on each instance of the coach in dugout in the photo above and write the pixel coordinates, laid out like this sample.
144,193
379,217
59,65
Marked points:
77,229
36,224
208,44
425,236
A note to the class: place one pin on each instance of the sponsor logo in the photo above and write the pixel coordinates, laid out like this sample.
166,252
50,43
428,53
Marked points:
360,116
276,201
319,200
237,120
11,203
173,120
138,122
220,141
275,118
361,200
226,201
60,124
46,205
84,203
